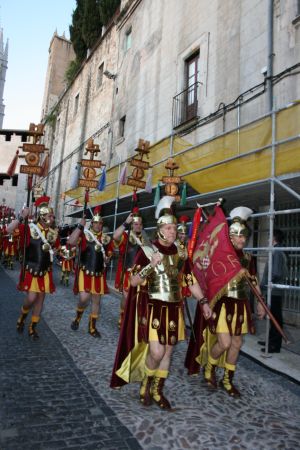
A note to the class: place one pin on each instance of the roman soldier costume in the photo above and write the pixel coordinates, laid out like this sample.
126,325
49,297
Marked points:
153,312
36,279
128,246
231,314
11,244
67,254
90,274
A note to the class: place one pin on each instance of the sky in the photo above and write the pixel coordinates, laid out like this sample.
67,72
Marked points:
29,25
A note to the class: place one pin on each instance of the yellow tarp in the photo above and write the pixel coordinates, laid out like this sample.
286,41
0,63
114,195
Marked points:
214,153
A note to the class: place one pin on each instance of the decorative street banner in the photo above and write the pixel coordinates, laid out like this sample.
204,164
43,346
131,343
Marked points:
88,183
136,183
91,163
31,170
39,148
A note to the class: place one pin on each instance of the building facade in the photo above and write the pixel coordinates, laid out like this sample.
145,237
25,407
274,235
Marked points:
213,84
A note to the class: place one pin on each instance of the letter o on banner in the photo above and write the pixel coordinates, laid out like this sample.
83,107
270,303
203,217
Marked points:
218,268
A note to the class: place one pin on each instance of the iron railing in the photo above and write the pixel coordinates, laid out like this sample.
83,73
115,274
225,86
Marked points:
185,105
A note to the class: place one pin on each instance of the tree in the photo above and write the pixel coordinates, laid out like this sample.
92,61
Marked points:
91,24
76,37
72,70
107,9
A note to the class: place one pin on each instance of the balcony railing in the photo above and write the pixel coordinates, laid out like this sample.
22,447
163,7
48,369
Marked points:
185,105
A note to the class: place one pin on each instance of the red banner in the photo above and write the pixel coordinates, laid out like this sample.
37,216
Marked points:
195,229
215,261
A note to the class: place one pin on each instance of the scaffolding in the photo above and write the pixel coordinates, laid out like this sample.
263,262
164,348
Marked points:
257,164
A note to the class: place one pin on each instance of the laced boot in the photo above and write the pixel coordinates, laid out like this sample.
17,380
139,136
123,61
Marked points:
32,328
121,317
21,319
156,389
92,326
210,372
76,321
145,395
11,263
226,382
67,279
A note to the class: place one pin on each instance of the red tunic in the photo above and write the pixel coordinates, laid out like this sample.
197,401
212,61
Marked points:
27,278
230,304
138,310
90,282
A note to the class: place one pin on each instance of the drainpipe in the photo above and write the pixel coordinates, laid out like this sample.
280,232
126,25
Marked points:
270,54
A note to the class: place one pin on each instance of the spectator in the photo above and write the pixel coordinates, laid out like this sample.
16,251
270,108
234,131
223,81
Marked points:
279,274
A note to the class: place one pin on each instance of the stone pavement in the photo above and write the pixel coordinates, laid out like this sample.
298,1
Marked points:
70,389
46,401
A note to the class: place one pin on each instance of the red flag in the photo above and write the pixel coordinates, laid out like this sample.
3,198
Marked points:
12,167
194,234
45,166
215,261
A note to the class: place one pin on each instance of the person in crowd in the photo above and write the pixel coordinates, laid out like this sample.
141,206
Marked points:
279,275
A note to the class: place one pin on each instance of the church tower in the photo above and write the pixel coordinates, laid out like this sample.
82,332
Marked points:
3,68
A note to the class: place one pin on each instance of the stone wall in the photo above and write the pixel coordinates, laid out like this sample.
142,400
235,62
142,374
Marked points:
144,53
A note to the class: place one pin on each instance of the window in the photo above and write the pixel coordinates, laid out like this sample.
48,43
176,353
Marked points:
128,36
122,126
191,83
100,75
76,104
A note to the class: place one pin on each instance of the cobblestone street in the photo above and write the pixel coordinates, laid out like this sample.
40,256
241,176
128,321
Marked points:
55,392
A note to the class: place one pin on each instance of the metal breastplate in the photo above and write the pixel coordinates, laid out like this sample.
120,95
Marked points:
91,260
238,288
163,283
37,261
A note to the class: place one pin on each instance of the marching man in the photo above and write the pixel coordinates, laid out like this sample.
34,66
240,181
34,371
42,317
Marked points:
67,254
39,240
90,278
221,263
153,321
127,238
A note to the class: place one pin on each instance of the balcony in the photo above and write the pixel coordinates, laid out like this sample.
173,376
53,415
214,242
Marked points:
185,106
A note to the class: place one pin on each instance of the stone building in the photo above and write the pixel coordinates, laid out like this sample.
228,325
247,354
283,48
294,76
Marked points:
82,110
12,190
214,85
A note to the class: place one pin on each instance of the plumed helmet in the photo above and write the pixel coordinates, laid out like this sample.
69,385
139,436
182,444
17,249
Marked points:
97,217
42,204
239,217
136,217
164,213
182,224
